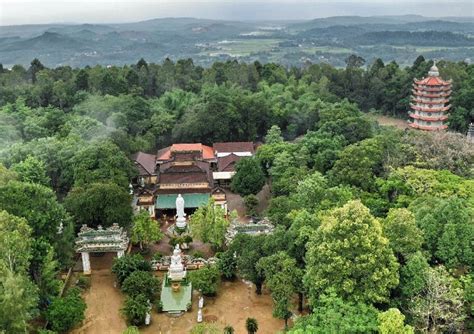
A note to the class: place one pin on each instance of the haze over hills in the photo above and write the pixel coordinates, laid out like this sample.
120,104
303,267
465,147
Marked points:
400,38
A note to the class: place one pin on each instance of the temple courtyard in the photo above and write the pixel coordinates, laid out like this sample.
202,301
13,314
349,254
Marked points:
235,302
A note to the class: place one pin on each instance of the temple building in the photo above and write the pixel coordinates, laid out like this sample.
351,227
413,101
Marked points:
146,165
228,154
195,171
430,102
184,169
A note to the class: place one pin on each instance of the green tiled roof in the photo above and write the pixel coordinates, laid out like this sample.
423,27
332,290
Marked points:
176,301
190,200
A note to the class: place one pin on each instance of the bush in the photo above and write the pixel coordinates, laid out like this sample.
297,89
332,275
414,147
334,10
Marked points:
249,177
157,256
198,254
127,264
83,282
251,203
227,265
135,309
159,306
205,280
67,312
131,330
141,283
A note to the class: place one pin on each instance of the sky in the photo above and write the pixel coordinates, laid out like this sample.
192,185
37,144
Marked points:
14,12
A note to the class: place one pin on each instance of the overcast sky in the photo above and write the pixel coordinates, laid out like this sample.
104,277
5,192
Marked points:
110,11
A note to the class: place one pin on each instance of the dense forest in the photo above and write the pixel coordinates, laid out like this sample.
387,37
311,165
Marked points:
374,224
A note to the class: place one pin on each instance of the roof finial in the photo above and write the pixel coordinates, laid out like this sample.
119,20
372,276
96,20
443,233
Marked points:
434,72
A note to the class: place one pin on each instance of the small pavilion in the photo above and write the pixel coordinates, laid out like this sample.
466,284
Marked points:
89,240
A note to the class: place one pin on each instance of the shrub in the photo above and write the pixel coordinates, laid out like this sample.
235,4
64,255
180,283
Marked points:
227,265
127,264
157,256
206,280
141,283
251,203
198,254
131,330
135,309
67,312
83,282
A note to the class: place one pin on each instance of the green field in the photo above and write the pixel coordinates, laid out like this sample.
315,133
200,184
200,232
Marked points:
242,47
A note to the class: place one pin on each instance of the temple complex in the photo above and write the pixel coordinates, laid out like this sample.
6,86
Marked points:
196,172
430,102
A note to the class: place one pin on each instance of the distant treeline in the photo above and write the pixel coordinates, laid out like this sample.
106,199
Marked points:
243,99
354,36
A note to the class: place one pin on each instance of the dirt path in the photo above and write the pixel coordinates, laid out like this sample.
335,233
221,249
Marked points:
103,300
235,303
391,121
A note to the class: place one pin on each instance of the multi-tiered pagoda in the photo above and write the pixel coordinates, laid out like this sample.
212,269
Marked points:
430,102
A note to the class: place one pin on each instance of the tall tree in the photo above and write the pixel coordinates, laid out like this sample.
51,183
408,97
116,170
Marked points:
361,268
102,162
332,314
18,301
38,205
99,204
145,230
209,224
249,178
15,243
400,228
392,322
32,170
284,279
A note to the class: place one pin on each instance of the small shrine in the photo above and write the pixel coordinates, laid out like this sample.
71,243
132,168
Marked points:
430,102
89,240
176,292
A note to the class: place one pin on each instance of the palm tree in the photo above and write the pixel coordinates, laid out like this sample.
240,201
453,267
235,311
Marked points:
252,325
229,330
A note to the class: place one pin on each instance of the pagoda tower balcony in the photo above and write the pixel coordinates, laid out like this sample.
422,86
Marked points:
429,118
428,127
425,101
430,109
442,88
431,95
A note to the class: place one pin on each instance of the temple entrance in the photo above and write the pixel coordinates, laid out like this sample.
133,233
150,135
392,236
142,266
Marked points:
112,239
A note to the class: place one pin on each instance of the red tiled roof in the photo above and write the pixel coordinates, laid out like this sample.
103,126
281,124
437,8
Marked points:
230,147
183,178
432,81
145,162
227,163
207,152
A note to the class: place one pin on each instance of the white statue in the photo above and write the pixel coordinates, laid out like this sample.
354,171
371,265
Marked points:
176,271
201,302
180,220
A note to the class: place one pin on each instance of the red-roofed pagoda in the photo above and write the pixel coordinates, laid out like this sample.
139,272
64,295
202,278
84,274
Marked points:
430,102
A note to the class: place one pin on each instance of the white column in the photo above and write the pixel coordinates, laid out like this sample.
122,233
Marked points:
120,254
86,263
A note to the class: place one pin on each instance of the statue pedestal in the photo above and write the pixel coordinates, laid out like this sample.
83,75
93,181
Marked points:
181,223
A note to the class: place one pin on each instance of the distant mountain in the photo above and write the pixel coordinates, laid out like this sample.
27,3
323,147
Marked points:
332,39
47,40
